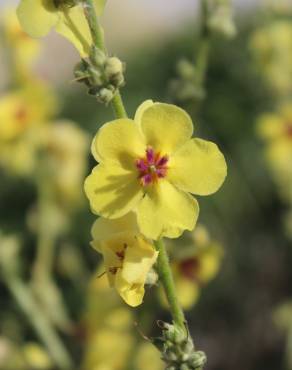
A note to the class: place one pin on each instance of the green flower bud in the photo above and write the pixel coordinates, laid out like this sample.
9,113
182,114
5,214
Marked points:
221,18
113,66
97,57
105,96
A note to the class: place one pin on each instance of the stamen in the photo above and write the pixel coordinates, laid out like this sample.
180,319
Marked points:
152,167
121,255
113,270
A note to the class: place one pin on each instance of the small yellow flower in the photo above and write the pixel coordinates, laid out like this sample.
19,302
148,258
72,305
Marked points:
38,17
27,107
23,48
128,256
108,349
36,357
148,358
196,264
66,145
23,113
149,165
276,131
271,46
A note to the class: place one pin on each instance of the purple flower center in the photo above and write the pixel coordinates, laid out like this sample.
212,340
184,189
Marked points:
152,167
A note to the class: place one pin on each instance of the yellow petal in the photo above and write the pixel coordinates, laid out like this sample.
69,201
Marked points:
166,127
104,229
166,211
198,167
119,141
188,292
270,126
111,259
140,110
139,258
37,17
210,261
112,191
132,294
73,25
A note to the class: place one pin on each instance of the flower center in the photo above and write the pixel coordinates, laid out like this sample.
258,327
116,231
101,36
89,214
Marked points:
152,167
189,268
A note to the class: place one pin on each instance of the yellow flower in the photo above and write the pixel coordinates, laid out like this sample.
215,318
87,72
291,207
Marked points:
128,256
23,48
108,328
148,358
36,357
27,107
149,165
196,264
276,130
22,113
66,146
271,47
38,17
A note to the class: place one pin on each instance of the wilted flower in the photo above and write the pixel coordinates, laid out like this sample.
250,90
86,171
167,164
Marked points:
128,256
38,17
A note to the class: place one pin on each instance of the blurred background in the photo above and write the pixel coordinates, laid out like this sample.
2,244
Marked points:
55,310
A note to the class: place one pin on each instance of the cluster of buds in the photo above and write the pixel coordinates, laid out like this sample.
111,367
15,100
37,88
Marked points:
177,349
220,18
187,86
102,75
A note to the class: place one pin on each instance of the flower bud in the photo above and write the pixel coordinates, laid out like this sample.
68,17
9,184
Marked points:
221,19
113,66
105,96
97,57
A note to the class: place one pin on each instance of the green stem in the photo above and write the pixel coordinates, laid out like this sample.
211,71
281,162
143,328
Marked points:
204,48
98,40
166,278
118,106
40,323
46,238
95,29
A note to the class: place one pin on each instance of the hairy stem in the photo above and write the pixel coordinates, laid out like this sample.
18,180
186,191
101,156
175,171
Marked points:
98,40
165,275
95,29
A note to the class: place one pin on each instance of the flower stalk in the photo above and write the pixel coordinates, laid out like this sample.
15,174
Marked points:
98,39
166,278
